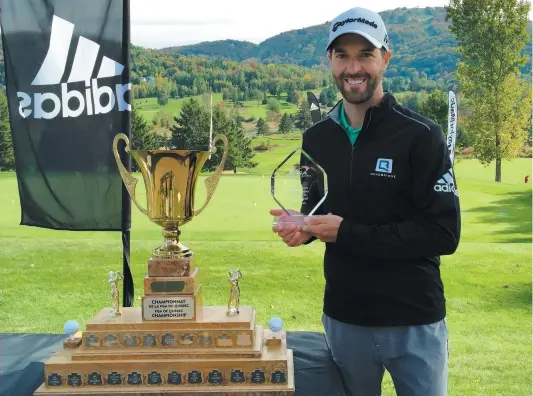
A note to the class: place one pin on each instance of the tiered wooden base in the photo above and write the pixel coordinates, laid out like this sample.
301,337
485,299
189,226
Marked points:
213,354
172,345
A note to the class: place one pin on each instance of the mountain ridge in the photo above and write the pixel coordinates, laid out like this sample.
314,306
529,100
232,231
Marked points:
420,39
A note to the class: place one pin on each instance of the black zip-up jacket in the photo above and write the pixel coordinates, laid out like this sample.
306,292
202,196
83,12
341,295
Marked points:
396,192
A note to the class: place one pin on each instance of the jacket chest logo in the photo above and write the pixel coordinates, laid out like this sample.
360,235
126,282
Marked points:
383,168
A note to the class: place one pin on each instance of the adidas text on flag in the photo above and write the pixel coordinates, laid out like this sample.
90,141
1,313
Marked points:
446,183
48,105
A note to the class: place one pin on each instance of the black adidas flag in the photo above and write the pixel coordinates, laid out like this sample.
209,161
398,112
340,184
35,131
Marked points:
68,90
68,93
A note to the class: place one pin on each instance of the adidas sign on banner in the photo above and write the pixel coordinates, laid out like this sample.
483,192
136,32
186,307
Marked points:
68,88
89,101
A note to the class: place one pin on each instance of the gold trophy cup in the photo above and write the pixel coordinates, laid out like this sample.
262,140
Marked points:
170,181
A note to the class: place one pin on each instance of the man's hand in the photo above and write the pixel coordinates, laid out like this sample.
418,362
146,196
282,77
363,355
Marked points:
291,234
324,228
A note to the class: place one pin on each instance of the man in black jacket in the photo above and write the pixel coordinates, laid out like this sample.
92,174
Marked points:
391,211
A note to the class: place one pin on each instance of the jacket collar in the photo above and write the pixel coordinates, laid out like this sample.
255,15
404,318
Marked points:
387,102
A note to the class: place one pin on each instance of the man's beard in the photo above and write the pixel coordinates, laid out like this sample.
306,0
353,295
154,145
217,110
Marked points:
357,97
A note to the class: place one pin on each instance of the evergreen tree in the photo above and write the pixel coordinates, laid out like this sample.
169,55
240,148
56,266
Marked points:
191,128
262,127
303,118
192,132
286,124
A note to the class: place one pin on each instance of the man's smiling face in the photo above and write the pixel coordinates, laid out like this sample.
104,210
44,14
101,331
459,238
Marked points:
357,67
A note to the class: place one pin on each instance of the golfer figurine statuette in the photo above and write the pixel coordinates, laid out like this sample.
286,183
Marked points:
235,293
114,294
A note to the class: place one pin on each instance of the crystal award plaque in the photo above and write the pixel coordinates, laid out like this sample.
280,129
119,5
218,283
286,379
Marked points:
299,185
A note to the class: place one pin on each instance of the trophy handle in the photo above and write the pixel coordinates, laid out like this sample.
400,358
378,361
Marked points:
129,180
212,181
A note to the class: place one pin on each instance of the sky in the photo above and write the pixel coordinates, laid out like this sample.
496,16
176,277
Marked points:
164,23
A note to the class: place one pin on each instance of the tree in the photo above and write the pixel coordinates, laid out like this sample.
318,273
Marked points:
7,160
240,153
192,132
303,118
435,107
162,99
286,124
142,136
491,35
273,105
259,95
191,129
328,96
262,127
501,137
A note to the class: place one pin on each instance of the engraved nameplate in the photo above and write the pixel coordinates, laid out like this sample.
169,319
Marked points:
187,339
278,377
130,340
237,376
215,377
92,341
114,378
205,340
134,378
224,340
55,379
149,340
174,378
168,308
168,340
94,378
194,377
167,286
74,379
110,340
154,378
258,376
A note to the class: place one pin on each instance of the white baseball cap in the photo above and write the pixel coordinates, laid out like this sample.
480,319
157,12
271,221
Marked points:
360,21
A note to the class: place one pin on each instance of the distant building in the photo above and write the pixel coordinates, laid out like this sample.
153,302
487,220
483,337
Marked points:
150,79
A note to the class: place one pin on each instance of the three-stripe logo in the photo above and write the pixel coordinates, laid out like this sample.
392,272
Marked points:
446,183
53,68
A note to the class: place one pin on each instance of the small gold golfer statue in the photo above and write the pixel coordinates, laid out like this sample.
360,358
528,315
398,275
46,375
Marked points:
235,293
114,277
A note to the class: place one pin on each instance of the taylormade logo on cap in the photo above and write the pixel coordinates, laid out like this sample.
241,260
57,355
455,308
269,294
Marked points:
363,22
360,20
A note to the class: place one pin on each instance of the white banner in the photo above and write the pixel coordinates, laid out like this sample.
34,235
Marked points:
452,124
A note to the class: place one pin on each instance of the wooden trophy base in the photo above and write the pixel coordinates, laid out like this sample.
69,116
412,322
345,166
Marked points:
213,354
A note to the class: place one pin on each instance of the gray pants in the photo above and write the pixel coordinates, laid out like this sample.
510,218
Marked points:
415,356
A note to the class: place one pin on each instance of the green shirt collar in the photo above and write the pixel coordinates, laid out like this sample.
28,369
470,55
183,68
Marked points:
350,130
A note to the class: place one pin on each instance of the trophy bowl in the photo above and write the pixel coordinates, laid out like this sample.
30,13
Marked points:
170,178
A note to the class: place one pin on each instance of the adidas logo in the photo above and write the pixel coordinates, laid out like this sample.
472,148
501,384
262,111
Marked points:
314,107
51,73
446,183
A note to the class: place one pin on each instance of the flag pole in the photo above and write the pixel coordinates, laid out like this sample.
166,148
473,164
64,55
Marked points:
128,287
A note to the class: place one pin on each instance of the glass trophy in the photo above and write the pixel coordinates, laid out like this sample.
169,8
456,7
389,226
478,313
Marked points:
299,186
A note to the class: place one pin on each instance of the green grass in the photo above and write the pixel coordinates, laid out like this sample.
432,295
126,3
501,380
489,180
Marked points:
47,277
